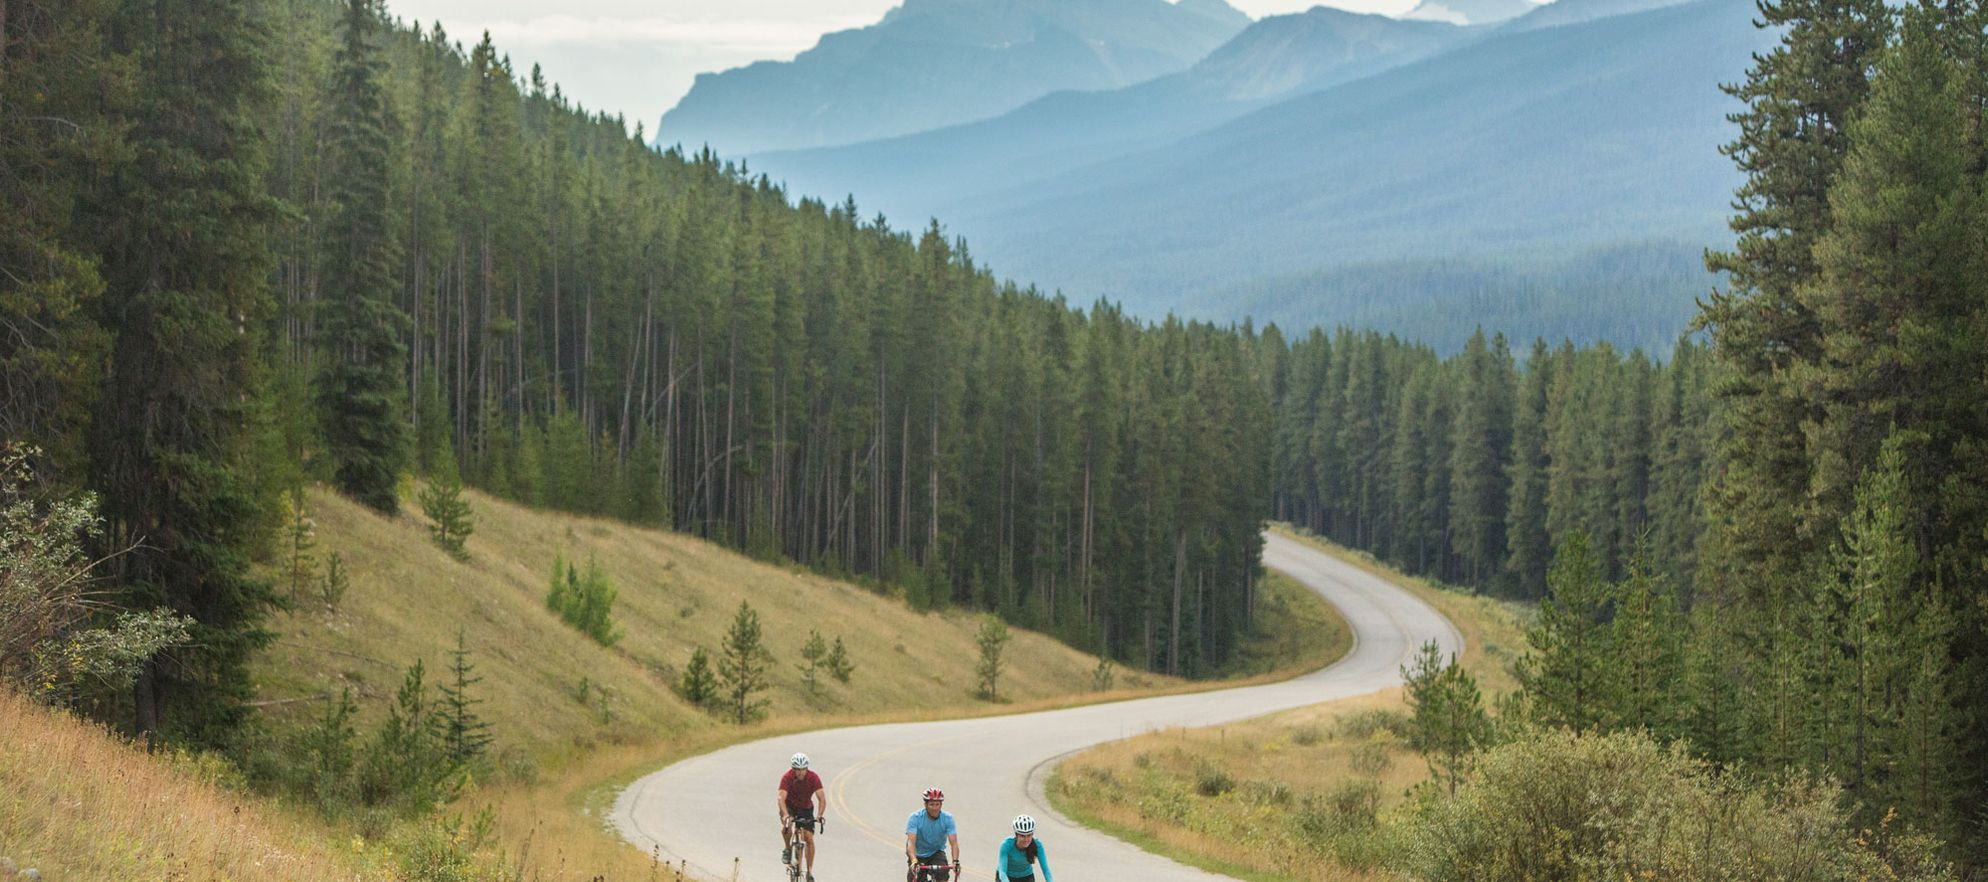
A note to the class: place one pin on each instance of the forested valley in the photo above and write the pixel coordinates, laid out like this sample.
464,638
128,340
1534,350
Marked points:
251,245
1773,545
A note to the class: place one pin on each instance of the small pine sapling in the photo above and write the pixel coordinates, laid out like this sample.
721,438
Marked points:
698,684
743,669
814,654
465,736
993,639
839,665
442,501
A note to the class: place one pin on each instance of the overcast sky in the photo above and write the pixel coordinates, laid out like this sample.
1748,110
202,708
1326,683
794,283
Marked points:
637,57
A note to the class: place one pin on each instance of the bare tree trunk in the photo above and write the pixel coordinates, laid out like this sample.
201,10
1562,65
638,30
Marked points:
1179,573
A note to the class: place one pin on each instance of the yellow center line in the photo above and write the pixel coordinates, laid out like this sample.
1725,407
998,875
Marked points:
838,794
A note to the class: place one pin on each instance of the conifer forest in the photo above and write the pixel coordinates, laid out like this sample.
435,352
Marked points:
249,244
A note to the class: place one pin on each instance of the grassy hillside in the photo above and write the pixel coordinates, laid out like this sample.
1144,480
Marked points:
77,804
408,598
1292,796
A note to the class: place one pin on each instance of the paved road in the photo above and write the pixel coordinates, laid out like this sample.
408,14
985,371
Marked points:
716,810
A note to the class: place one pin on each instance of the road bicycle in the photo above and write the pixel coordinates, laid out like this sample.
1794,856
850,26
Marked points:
930,872
797,847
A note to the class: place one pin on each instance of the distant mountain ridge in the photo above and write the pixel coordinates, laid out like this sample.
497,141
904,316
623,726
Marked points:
933,63
1575,145
933,172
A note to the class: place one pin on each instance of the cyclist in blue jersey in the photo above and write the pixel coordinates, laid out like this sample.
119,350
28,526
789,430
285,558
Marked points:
927,834
1019,851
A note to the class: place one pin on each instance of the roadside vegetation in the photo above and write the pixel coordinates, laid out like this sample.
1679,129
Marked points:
1490,768
436,719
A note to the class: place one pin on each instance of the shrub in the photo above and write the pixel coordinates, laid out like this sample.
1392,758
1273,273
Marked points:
1562,806
1366,724
48,647
1372,758
584,600
1212,780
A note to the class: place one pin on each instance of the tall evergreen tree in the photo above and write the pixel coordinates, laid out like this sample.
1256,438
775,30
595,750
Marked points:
180,229
54,83
1530,549
1479,472
362,396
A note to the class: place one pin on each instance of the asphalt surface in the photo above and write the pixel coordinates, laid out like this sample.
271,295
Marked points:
717,811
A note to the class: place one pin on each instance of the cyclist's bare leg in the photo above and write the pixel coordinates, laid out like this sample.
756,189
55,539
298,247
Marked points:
808,845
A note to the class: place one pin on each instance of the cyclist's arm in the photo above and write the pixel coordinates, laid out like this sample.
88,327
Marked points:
1042,860
821,803
910,845
953,839
1001,859
783,805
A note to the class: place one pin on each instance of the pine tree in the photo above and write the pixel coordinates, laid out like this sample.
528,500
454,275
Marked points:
442,501
302,568
465,735
181,231
1569,676
742,666
697,684
1479,467
54,85
1648,634
839,664
362,396
992,639
1449,719
814,653
329,749
1529,546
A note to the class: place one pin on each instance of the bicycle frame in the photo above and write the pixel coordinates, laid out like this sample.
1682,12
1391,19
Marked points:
797,845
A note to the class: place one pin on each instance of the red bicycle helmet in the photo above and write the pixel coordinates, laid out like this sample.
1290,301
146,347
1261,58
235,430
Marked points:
932,793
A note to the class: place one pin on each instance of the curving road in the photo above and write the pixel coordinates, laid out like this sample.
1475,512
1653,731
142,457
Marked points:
716,811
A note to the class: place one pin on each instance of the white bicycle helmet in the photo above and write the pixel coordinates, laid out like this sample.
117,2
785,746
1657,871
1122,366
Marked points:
800,761
1024,824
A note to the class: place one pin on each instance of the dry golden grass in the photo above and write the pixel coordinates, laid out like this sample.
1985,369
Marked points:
1309,759
83,806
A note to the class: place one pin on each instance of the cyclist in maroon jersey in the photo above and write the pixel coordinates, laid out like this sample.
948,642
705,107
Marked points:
801,802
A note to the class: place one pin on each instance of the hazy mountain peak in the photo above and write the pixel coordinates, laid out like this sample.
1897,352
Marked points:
1216,10
1469,12
1288,53
934,63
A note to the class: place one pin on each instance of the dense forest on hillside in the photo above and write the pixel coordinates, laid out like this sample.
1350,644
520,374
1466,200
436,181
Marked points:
1472,468
260,244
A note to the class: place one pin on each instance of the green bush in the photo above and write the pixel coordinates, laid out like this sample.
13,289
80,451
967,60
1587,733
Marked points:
1366,724
1562,806
584,600
1211,780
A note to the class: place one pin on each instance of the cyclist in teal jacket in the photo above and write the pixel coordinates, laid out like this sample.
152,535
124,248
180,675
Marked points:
1019,851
